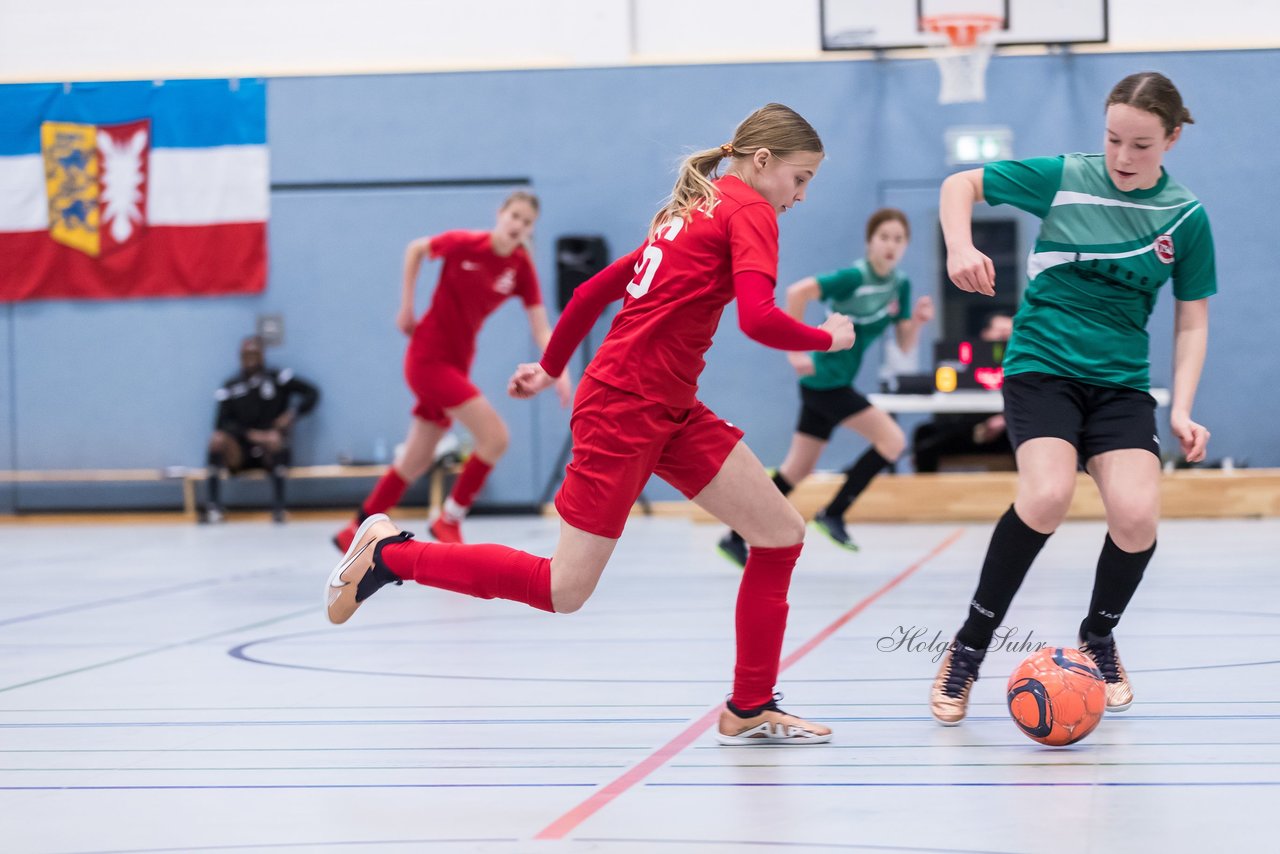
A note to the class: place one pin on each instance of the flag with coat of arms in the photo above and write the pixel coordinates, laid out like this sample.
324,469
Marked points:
134,189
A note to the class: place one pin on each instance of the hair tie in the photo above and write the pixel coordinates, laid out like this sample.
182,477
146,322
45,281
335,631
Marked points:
727,149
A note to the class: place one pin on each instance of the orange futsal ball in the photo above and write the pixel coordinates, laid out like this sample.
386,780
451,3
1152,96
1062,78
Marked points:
1056,696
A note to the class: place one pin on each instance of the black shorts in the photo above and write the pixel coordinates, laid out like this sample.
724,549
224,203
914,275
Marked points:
1093,418
255,456
822,410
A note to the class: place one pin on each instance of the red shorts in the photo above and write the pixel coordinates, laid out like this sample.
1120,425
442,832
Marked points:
437,386
620,439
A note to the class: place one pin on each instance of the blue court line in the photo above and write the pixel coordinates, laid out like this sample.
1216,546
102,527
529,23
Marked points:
241,653
993,785
814,785
923,745
607,765
1017,745
465,748
542,721
158,649
736,765
116,600
345,722
142,595
239,786
416,706
421,767
282,845
825,846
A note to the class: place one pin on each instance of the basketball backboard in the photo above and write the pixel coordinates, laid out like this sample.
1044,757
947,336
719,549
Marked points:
897,24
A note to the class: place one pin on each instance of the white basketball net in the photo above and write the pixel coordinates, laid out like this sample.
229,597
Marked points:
962,62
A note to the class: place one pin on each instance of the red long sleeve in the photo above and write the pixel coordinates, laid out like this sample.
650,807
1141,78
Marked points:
762,320
584,309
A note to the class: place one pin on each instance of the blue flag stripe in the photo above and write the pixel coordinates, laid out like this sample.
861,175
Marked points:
183,113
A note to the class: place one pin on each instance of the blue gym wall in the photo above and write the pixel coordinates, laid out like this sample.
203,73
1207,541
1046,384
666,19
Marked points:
129,384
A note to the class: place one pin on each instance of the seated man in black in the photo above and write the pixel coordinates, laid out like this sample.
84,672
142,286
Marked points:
256,410
959,435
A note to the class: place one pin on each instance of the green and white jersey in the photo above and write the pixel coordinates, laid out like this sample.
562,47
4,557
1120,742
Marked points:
1099,261
872,303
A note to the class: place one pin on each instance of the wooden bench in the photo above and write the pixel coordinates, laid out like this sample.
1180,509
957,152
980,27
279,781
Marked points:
983,496
51,476
976,462
437,475
190,477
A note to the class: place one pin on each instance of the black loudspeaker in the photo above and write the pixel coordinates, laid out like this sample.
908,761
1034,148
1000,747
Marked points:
965,314
578,258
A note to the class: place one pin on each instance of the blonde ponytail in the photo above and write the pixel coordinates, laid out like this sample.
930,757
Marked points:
775,127
693,186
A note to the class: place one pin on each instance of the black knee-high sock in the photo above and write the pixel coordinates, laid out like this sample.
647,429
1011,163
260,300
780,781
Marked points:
1117,578
277,487
214,482
857,476
1013,547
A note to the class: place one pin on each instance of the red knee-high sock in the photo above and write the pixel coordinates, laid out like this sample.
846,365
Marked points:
484,571
386,493
761,622
469,482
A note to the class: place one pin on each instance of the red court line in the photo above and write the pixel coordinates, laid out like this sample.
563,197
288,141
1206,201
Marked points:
599,799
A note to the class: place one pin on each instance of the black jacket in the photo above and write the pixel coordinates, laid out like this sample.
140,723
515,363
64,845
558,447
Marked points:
256,401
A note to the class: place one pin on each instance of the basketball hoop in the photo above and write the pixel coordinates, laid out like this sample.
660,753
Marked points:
962,61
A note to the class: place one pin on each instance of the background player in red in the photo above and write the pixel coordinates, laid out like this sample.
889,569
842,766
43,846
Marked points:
481,270
637,414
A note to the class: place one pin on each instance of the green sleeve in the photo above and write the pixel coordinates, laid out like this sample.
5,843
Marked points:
904,301
1194,274
839,285
1028,185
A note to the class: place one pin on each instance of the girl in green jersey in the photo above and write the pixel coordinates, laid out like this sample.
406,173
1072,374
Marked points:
1115,227
875,295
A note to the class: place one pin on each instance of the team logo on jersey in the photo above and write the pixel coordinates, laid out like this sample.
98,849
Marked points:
1164,248
96,183
506,283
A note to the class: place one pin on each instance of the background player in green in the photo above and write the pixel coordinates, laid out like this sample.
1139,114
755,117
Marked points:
873,293
1115,228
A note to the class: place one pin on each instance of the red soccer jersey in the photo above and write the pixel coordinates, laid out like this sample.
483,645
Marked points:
684,279
474,281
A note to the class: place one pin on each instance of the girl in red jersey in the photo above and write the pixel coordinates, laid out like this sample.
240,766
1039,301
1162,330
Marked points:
481,270
637,413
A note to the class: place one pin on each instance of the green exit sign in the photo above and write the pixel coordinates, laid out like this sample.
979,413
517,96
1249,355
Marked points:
978,144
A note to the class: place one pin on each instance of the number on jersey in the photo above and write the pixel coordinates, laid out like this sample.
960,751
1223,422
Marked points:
647,266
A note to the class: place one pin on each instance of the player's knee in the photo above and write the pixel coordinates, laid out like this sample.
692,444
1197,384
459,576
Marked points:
1044,505
1132,524
493,445
218,442
786,528
891,447
568,598
216,458
411,466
